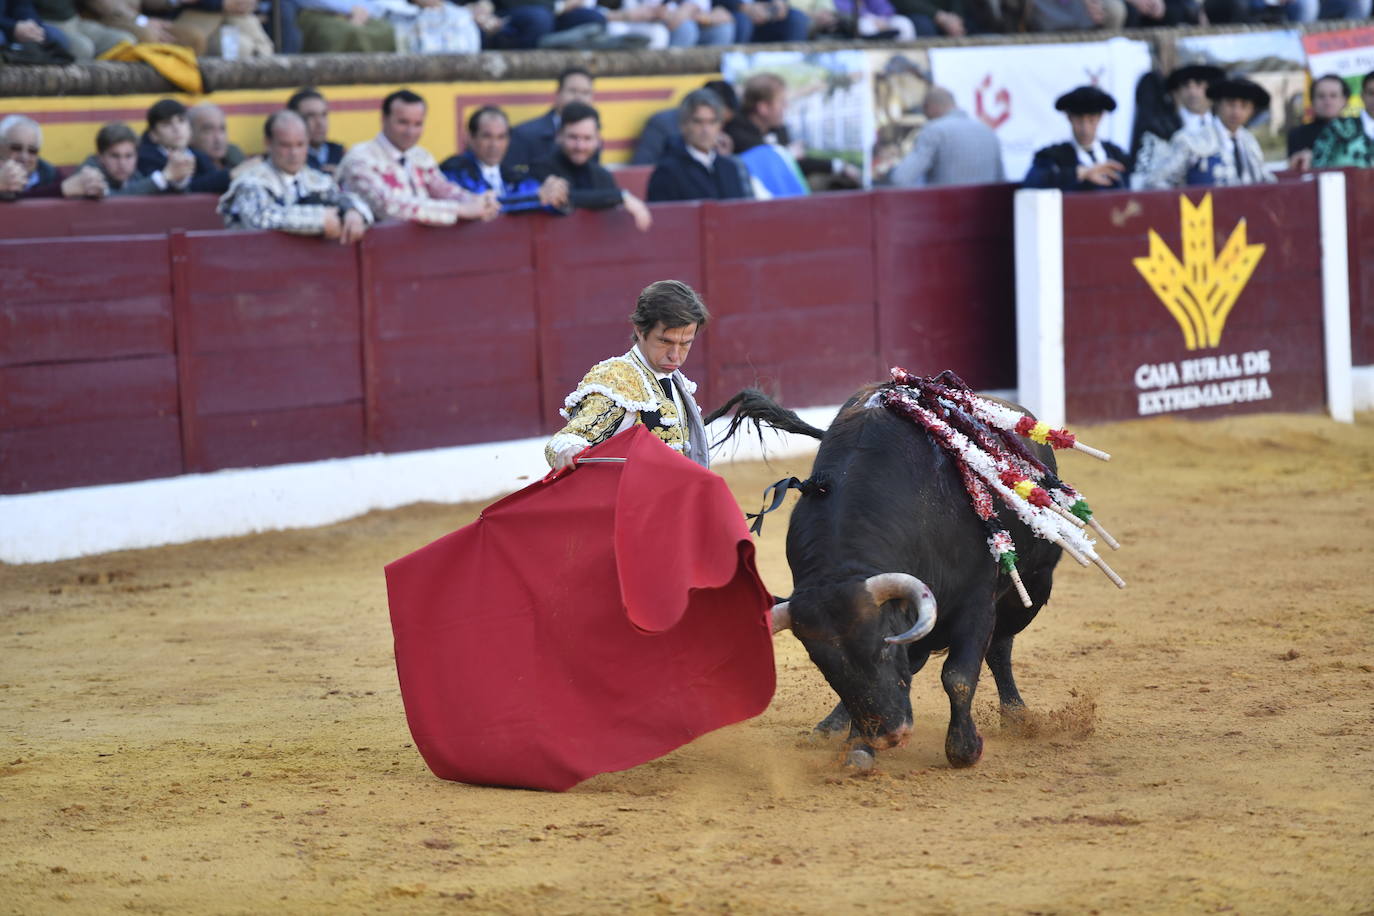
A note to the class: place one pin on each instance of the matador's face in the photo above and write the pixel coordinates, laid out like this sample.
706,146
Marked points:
665,349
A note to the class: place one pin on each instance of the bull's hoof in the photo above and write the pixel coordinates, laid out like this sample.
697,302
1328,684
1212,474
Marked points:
964,754
861,758
833,725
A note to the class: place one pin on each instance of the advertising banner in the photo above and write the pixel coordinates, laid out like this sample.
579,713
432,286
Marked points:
1012,89
1348,53
829,99
1198,303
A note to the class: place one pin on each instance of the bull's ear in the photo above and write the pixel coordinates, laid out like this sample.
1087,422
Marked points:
782,617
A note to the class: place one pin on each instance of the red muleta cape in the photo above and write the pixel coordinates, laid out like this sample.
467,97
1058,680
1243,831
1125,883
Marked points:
587,623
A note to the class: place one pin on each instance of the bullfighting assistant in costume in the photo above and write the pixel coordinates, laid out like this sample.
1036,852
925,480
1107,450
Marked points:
588,623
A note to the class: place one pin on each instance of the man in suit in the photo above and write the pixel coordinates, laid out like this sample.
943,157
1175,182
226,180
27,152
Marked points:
1219,151
1084,163
536,140
324,154
480,168
165,147
645,385
692,168
1348,141
951,149
662,128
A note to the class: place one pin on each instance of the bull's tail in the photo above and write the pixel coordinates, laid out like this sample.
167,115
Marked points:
753,406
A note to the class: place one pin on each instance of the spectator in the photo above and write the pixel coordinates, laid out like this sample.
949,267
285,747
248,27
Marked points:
513,24
480,169
760,139
24,174
19,23
117,159
675,23
1348,141
535,140
398,179
1330,94
875,19
1271,11
344,25
768,21
662,128
693,168
284,193
1219,151
1084,163
324,154
1160,115
210,135
952,148
165,149
218,28
933,18
85,38
591,187
222,28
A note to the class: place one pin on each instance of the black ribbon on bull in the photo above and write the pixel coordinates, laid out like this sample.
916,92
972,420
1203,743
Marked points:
810,487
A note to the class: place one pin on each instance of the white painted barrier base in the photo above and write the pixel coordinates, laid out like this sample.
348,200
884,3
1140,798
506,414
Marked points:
61,524
1362,385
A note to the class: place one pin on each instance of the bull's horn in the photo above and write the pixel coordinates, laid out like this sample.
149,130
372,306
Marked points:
782,617
887,586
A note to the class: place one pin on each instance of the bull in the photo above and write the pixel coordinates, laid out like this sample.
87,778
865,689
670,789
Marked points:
883,526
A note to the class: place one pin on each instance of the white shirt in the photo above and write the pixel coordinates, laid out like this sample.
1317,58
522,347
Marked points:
630,418
491,174
707,159
1097,156
1192,120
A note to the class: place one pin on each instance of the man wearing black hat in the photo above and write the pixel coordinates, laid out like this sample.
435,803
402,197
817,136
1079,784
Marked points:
1349,141
1084,163
1158,116
1220,151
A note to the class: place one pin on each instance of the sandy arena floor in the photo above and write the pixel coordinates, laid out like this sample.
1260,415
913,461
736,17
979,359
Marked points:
217,728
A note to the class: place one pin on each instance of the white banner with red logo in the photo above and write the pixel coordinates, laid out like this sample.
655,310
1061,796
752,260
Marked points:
1012,89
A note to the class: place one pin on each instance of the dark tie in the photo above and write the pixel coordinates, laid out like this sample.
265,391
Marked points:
666,384
1240,163
1092,157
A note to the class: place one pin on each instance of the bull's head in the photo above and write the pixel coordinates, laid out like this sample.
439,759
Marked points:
850,632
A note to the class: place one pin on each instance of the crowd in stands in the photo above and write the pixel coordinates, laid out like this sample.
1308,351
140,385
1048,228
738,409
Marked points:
41,31
712,146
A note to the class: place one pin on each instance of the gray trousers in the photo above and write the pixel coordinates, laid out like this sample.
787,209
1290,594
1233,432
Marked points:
89,39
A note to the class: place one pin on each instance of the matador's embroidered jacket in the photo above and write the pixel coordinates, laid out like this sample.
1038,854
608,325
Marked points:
620,392
264,197
401,186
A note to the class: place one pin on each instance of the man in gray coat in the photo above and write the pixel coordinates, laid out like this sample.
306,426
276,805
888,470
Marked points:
951,149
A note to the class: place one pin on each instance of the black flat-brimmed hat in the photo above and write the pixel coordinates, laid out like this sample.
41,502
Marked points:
1085,100
1239,88
1202,73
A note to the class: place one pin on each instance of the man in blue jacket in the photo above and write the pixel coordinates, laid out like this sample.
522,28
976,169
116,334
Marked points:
163,150
1084,163
480,168
692,169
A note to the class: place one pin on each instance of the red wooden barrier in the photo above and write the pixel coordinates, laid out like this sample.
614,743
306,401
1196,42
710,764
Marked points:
791,285
159,213
591,267
1126,355
1359,213
451,324
946,283
269,333
88,388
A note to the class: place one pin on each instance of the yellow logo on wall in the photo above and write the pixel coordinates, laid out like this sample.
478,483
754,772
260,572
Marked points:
1201,291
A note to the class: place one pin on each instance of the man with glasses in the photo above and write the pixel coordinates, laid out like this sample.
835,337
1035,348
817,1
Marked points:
24,174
